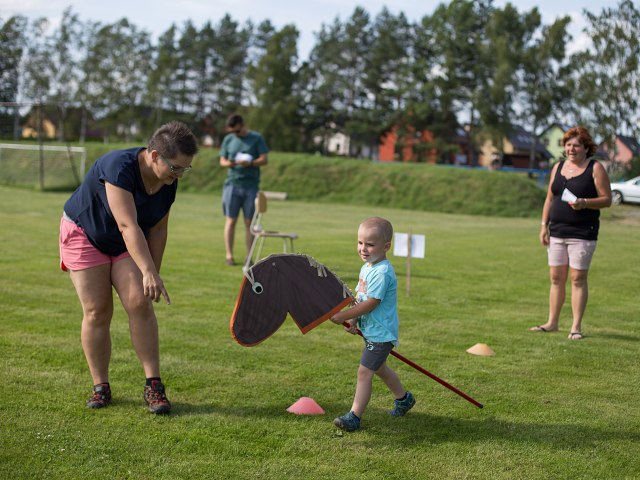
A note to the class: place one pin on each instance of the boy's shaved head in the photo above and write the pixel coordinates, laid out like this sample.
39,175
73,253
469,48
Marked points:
382,226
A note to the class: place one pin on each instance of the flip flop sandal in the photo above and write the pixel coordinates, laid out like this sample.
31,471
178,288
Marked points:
539,328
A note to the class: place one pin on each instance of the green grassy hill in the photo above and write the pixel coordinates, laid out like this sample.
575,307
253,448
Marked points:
339,180
407,186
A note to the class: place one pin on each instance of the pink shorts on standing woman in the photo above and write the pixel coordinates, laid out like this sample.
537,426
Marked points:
575,252
77,252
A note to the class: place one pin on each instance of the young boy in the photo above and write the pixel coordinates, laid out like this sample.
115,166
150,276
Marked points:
375,313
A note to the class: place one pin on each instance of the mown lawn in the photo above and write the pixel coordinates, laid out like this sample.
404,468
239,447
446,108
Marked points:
553,408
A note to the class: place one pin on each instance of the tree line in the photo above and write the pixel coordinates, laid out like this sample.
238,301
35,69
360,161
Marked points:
468,64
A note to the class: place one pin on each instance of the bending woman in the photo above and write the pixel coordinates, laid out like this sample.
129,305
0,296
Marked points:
113,234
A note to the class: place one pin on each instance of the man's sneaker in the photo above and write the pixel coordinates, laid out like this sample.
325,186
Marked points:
347,422
101,396
156,399
403,406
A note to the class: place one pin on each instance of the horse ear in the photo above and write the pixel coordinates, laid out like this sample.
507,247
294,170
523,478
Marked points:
315,293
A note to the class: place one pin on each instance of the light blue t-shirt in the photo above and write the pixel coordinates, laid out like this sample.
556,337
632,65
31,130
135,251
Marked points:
379,281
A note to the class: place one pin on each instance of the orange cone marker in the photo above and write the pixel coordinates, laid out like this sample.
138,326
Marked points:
305,406
481,349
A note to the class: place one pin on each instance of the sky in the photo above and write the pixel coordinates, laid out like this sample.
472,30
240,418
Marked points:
308,16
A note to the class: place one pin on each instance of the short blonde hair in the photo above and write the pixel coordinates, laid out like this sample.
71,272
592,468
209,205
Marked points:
381,225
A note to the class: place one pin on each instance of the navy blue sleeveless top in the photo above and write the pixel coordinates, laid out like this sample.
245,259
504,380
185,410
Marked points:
565,222
88,206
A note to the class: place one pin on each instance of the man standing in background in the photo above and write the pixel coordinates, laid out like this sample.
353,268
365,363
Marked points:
243,152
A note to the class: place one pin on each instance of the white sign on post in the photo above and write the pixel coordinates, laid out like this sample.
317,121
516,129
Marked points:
401,245
410,246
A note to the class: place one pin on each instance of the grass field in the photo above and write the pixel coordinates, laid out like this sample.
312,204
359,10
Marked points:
553,408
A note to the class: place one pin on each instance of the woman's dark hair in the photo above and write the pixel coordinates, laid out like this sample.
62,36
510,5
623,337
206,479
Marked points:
172,139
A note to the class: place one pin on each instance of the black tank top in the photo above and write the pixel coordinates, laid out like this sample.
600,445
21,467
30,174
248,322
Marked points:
565,222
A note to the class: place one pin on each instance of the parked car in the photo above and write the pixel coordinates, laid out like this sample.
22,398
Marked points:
627,192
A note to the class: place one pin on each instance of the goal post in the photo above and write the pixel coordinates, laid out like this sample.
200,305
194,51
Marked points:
43,166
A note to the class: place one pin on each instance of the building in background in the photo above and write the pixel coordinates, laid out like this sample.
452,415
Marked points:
516,151
551,138
623,150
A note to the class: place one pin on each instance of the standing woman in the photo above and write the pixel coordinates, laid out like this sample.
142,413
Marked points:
113,234
570,225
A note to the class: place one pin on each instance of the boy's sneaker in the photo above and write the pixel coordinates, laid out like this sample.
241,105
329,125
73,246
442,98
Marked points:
403,406
101,396
347,422
155,397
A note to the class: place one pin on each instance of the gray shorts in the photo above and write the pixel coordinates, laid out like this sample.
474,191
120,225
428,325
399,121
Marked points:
575,252
236,198
375,354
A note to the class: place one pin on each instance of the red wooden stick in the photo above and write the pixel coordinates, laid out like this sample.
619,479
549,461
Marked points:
434,377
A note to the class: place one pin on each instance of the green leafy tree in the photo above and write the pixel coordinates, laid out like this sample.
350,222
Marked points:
36,81
508,32
275,114
354,60
544,88
464,59
89,92
607,76
634,168
207,70
12,44
429,100
230,54
334,90
384,80
160,92
184,89
51,67
118,57
320,77
63,48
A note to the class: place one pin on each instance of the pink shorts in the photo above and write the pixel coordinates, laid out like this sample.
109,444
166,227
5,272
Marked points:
77,252
575,252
